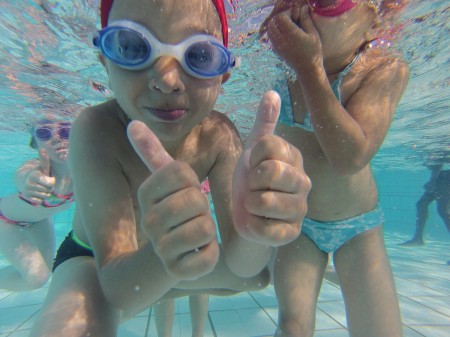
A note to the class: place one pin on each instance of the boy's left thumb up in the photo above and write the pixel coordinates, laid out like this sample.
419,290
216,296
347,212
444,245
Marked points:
147,146
266,118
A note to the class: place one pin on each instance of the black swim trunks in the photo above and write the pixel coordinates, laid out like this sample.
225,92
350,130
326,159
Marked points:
68,249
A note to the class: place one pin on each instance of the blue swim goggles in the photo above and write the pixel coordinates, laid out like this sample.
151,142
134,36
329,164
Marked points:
132,46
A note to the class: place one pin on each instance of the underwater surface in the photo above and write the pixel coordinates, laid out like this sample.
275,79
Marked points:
49,67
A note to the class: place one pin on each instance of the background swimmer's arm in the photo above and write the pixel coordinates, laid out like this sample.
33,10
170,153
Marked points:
32,180
22,173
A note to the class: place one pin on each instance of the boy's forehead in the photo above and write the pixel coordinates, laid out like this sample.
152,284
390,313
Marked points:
190,16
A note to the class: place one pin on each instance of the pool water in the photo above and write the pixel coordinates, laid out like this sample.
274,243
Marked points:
49,67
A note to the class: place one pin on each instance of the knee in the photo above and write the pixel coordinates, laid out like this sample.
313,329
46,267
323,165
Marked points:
289,326
37,279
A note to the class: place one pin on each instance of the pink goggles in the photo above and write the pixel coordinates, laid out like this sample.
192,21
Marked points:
337,7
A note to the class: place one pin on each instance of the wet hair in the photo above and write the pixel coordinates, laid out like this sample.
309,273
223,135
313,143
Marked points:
387,15
106,5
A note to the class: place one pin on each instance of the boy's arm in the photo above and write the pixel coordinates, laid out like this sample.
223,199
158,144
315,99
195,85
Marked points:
243,257
268,194
131,277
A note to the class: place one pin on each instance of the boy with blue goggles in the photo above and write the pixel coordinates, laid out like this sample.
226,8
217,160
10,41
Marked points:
132,46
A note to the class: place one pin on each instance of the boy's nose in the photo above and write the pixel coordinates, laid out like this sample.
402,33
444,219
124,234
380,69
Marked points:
166,76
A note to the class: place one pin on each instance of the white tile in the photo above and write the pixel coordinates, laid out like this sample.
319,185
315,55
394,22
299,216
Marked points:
265,297
182,327
19,333
411,289
434,331
408,332
329,292
134,327
256,322
24,298
227,324
243,301
325,322
235,302
331,333
334,309
414,313
439,304
13,318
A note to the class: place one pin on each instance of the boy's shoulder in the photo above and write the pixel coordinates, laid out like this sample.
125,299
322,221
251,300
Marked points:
218,124
104,112
215,138
103,124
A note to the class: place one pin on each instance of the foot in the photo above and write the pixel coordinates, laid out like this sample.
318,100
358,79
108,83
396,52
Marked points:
412,243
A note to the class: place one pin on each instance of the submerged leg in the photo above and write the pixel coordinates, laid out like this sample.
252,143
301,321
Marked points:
368,286
75,305
299,270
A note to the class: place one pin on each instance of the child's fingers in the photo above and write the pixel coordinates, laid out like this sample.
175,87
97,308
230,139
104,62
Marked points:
44,162
305,19
147,146
40,178
280,6
266,118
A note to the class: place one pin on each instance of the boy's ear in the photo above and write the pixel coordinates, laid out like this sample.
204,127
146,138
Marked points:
102,60
226,76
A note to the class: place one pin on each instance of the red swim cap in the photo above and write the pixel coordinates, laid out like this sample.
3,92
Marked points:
105,8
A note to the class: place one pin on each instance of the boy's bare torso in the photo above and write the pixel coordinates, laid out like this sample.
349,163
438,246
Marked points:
201,149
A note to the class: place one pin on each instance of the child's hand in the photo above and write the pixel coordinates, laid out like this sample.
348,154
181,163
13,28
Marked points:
37,185
269,184
295,38
175,214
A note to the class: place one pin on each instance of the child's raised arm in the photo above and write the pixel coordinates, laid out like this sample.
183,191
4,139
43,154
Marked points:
269,193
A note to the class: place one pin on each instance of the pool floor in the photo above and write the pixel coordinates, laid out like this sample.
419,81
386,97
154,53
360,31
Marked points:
423,286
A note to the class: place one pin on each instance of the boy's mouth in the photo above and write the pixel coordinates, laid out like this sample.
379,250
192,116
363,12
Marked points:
168,115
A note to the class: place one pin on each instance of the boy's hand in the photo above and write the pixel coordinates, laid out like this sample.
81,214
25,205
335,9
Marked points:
175,214
37,185
269,184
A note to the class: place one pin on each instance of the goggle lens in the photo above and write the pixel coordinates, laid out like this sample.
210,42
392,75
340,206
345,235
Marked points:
207,58
125,47
46,133
132,46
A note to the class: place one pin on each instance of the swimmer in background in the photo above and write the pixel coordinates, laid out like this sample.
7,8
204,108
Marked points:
436,189
337,112
27,238
142,229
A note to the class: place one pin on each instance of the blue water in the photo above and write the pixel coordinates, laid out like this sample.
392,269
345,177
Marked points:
49,67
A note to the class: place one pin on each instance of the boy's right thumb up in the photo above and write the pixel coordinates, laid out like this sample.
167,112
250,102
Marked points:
147,146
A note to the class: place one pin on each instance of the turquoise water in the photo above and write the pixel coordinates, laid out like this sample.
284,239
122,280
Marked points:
49,67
